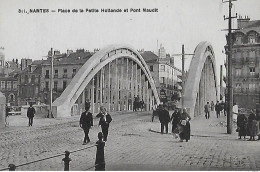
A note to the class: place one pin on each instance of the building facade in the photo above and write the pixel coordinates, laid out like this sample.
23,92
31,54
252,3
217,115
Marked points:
246,63
164,73
65,67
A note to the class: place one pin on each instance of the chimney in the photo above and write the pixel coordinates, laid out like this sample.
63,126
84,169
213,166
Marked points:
242,22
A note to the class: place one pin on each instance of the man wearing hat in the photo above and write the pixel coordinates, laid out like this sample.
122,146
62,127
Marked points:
30,114
86,121
164,118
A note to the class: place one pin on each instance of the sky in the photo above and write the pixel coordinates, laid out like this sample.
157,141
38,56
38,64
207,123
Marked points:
177,22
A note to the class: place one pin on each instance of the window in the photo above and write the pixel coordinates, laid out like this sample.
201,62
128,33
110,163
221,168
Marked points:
26,79
162,80
65,73
47,86
47,74
64,84
74,72
251,40
33,79
162,68
14,85
238,40
2,85
36,91
9,85
55,86
252,70
238,72
151,68
56,73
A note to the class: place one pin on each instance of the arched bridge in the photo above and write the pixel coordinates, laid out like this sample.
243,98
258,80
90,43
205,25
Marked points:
111,77
201,84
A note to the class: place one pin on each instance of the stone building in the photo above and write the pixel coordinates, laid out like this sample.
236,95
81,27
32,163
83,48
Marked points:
29,83
246,62
65,66
8,79
164,73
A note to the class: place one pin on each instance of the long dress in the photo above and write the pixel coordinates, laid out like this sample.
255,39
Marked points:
184,130
242,125
251,125
175,120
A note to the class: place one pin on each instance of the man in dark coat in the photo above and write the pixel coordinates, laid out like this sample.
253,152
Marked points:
30,114
104,121
164,118
218,108
7,113
86,121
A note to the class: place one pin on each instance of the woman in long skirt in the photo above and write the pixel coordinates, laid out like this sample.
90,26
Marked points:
184,126
242,125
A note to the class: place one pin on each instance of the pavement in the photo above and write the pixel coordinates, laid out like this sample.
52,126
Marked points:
134,144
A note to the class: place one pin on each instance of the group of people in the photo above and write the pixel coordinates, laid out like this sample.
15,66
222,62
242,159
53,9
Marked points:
137,104
180,122
86,122
247,126
218,107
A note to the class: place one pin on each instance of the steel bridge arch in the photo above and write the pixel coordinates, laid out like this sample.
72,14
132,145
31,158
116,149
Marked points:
63,104
201,84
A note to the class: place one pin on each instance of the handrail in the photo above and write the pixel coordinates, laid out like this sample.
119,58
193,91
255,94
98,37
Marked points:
27,163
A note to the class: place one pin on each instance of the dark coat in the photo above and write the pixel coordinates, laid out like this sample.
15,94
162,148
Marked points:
164,116
218,107
184,131
30,112
242,125
86,120
102,121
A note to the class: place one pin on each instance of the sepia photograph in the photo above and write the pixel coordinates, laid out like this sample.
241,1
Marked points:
147,85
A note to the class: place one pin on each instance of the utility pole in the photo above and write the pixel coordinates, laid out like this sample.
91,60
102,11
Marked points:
182,73
221,82
51,80
229,61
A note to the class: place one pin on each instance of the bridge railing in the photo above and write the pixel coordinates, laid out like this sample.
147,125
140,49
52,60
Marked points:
66,160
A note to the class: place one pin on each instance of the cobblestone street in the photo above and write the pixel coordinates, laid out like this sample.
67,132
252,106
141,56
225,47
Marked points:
134,143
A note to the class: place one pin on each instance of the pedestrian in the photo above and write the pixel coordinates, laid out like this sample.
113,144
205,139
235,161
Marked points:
142,104
175,118
212,106
241,125
225,108
207,110
184,126
30,114
87,103
104,121
164,118
252,126
218,109
7,113
100,157
86,122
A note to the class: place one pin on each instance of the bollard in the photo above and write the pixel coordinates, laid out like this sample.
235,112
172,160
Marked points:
12,167
100,158
66,161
